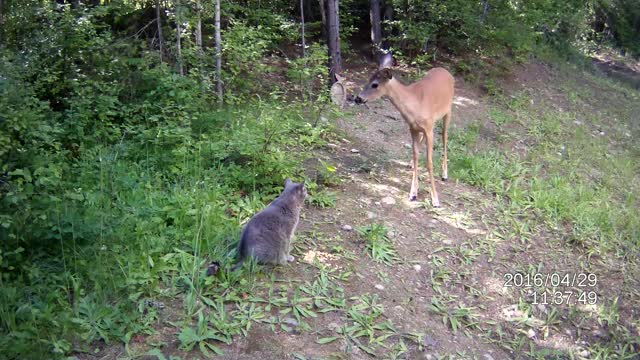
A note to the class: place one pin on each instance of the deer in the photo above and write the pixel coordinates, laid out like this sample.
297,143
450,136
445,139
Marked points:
421,104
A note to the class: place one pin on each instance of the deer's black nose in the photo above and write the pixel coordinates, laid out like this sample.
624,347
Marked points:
359,100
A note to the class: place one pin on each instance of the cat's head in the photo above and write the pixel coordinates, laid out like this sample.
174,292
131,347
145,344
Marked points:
297,189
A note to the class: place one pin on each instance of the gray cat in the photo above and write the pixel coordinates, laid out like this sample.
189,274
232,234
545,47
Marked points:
267,236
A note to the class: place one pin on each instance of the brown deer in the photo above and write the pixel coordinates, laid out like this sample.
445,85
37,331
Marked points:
421,104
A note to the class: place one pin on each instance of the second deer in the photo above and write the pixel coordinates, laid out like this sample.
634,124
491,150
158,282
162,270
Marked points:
421,104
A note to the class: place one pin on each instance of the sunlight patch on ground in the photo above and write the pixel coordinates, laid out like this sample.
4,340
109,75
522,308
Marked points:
325,258
495,286
458,220
564,344
464,101
400,162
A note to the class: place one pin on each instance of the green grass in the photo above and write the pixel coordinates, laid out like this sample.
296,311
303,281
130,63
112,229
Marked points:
570,177
378,245
578,177
141,221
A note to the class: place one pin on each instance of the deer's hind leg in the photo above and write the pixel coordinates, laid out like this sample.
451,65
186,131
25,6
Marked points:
415,136
445,126
434,194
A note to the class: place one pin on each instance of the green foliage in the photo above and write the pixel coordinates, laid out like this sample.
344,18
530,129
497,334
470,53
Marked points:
378,245
485,27
619,20
244,49
119,178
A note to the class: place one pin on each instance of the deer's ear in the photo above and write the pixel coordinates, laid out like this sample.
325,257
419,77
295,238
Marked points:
339,78
387,74
385,61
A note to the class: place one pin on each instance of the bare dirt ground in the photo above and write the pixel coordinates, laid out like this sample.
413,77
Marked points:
443,295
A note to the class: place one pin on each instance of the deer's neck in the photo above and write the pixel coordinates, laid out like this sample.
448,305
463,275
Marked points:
405,100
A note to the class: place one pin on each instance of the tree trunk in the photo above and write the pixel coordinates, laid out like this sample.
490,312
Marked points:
218,52
333,32
387,17
302,25
199,25
376,26
178,40
323,15
309,11
1,19
159,23
485,9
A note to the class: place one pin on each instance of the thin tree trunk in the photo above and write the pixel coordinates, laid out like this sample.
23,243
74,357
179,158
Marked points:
302,23
333,31
1,19
218,52
323,15
376,26
387,17
178,40
159,23
484,11
199,25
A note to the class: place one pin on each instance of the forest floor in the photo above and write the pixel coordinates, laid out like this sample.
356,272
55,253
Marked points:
378,275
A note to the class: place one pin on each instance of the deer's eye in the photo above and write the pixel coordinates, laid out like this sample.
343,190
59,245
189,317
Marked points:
373,86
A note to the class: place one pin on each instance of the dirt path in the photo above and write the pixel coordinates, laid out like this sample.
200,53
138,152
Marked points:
436,289
375,191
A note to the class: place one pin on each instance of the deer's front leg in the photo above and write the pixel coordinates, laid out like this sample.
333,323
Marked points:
415,136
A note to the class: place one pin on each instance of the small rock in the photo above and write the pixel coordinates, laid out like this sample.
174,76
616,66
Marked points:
291,321
531,334
602,133
333,146
577,122
379,287
583,353
389,200
447,241
627,134
355,151
346,141
378,203
408,146
324,119
417,267
333,326
487,357
371,215
347,228
213,268
391,234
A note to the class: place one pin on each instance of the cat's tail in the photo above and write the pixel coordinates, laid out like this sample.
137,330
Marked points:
242,251
238,265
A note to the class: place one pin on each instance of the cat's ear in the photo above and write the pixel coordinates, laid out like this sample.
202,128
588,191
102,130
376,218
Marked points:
287,183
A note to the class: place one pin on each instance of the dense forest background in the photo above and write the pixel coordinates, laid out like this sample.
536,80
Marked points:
129,159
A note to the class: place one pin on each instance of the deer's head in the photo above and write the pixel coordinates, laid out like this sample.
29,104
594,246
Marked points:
376,87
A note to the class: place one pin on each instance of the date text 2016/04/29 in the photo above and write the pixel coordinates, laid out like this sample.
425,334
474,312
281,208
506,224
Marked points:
550,279
564,297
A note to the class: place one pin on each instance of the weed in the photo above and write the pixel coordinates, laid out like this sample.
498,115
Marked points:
379,246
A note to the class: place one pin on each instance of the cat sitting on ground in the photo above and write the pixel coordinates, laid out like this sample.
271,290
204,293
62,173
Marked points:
267,236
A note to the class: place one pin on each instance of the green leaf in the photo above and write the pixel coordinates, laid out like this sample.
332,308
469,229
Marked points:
327,340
